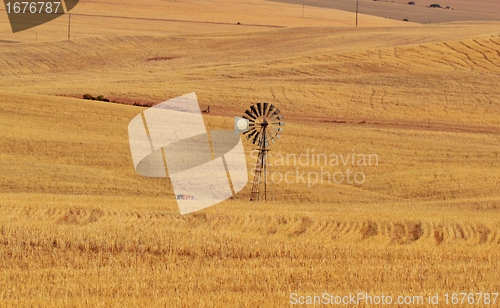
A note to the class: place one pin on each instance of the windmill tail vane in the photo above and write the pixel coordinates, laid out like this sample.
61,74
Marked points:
261,124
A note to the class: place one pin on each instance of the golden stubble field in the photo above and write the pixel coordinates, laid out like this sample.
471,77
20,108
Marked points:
78,227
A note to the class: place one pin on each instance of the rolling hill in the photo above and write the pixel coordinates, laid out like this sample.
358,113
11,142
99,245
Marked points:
79,227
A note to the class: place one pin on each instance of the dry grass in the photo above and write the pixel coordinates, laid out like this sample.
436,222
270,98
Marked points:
78,227
159,18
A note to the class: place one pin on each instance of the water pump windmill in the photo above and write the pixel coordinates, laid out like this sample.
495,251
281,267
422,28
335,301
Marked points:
261,124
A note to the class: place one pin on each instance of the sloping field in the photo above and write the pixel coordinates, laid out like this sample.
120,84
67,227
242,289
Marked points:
481,6
420,12
78,227
160,18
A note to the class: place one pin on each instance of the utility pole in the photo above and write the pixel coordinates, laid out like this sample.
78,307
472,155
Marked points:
357,6
69,27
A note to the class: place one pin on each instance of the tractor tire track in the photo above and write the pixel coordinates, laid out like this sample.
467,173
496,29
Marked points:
480,52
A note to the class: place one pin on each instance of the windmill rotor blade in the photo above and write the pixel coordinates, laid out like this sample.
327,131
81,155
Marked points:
264,112
274,134
276,129
276,112
273,128
271,108
271,136
275,115
256,136
260,108
246,117
253,133
247,112
255,112
249,131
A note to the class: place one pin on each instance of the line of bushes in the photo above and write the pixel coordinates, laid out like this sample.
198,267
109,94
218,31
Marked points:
100,98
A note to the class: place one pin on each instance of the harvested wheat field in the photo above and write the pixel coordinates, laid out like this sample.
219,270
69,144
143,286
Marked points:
410,112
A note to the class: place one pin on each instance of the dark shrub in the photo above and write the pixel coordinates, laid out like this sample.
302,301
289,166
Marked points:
88,96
